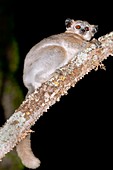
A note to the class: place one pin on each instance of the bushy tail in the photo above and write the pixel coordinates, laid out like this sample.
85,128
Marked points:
26,155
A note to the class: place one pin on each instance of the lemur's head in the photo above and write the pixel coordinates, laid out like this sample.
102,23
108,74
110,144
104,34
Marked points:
82,28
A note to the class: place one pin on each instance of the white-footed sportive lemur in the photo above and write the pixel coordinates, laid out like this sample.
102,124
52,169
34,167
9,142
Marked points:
56,51
44,59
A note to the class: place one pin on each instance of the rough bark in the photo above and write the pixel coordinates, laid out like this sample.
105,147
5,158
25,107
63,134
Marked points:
17,127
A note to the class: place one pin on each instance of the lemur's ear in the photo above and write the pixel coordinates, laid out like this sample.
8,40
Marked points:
68,22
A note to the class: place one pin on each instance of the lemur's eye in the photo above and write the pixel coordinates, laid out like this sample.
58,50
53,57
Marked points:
77,26
86,28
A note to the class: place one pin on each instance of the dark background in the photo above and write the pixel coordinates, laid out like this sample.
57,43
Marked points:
76,132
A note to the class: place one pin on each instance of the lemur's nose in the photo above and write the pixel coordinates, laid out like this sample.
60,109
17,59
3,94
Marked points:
82,30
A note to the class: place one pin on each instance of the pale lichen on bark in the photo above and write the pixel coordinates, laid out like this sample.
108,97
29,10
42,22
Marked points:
17,127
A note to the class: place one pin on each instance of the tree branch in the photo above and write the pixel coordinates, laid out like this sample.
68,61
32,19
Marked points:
17,127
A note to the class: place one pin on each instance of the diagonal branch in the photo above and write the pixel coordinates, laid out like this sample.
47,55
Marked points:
17,127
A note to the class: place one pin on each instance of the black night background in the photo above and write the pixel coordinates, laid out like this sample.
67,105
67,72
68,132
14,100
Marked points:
75,133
